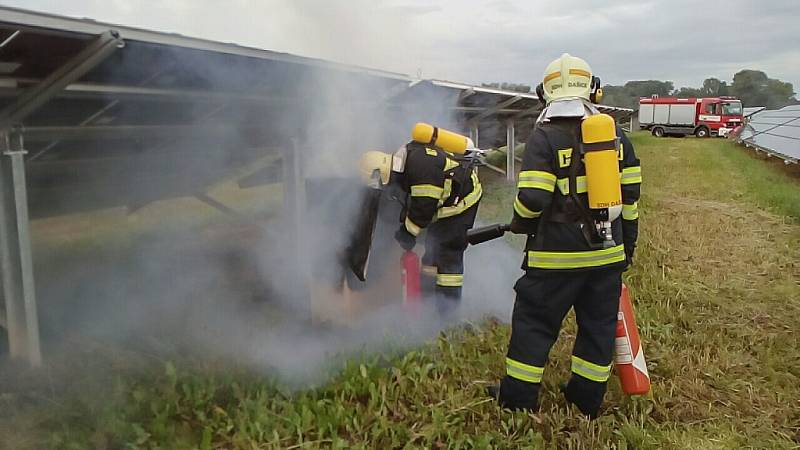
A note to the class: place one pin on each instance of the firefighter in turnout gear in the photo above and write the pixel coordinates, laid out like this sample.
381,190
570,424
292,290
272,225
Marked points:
442,192
577,248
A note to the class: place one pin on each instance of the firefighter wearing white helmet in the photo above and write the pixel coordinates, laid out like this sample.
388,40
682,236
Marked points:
442,192
577,202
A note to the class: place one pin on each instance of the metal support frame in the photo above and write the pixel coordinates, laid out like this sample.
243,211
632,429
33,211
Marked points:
465,93
99,132
294,206
95,115
496,108
511,140
87,59
528,112
473,134
10,38
16,260
216,204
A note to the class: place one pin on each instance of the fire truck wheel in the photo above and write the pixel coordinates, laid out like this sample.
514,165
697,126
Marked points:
658,132
701,132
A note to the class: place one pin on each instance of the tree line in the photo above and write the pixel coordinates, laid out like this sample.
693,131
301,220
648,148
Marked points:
752,87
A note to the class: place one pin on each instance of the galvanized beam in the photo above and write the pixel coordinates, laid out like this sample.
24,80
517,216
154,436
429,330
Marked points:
527,112
125,92
479,110
95,91
99,132
494,109
94,116
16,260
10,38
33,98
295,229
216,204
465,94
495,168
511,140
473,134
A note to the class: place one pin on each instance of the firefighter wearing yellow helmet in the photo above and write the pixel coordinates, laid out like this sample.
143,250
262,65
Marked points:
442,192
577,203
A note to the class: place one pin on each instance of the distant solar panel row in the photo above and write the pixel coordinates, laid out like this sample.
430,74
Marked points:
776,132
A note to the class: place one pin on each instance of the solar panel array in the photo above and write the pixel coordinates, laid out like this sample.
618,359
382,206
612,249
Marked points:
172,115
776,132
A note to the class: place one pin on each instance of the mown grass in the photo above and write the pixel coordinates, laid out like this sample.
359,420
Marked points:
717,290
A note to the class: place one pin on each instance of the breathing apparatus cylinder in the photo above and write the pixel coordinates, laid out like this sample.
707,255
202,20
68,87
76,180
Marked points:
448,141
600,157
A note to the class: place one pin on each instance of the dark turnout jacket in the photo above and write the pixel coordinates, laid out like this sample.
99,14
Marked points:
438,185
542,209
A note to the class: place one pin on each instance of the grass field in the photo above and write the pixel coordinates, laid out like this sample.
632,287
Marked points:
717,289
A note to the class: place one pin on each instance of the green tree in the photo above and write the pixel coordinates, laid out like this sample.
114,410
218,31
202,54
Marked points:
628,95
750,86
685,92
618,96
755,88
779,94
713,87
647,88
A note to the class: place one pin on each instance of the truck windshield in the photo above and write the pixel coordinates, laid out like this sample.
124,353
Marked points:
732,109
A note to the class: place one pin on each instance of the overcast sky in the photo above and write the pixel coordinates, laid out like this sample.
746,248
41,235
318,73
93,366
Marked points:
492,40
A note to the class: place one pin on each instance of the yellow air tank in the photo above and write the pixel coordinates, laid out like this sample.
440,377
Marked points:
448,141
599,135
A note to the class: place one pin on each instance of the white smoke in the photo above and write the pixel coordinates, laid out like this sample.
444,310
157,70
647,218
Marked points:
176,291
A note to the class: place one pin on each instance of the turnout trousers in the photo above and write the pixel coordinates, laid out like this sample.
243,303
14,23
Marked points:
543,300
443,260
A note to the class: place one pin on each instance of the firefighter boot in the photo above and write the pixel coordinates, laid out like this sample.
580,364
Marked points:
427,280
585,394
518,395
493,390
447,300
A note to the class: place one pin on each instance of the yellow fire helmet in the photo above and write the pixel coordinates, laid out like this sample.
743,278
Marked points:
567,76
372,161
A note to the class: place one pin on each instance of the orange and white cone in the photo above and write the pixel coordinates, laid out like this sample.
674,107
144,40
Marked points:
628,354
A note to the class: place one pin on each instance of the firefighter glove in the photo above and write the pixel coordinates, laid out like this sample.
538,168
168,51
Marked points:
523,226
405,239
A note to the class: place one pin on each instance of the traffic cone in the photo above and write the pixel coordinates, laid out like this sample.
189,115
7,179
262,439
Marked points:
628,354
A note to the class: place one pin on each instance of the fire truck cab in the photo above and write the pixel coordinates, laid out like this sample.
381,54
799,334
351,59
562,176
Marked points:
702,117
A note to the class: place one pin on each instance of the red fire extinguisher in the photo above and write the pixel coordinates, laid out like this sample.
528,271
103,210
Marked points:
410,278
628,355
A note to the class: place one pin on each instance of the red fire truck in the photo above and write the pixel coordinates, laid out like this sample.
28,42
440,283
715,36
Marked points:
702,117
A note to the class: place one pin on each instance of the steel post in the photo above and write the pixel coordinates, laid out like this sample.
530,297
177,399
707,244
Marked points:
16,260
473,134
511,143
294,203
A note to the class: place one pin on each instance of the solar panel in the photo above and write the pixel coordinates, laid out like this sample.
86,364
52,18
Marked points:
776,132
